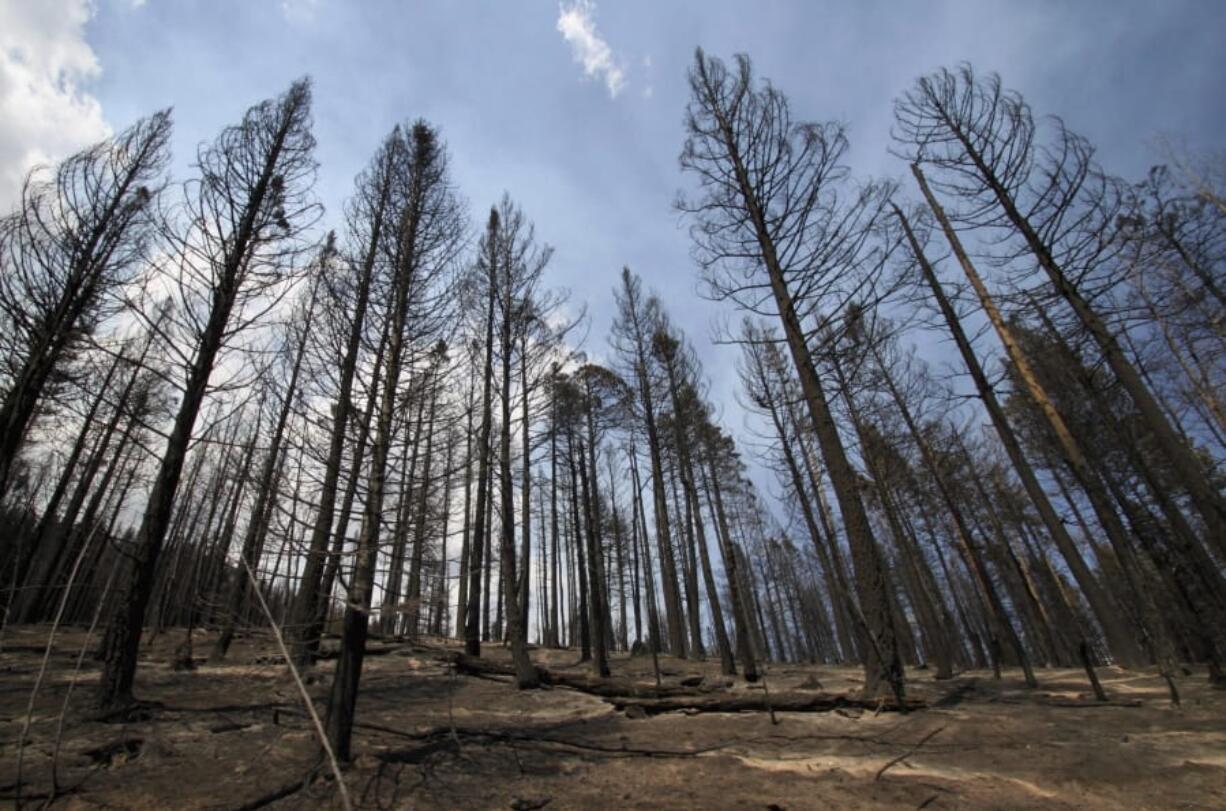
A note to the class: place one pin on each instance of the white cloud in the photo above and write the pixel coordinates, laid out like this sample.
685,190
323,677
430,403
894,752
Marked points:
300,12
577,26
44,62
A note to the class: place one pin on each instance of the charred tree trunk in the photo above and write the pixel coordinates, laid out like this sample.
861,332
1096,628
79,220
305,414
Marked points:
257,525
284,123
304,630
473,612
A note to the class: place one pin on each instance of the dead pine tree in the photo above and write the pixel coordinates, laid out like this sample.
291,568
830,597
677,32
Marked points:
687,415
764,377
78,234
486,263
601,396
638,316
366,216
242,221
1104,606
716,450
258,521
519,262
1058,206
996,613
751,158
539,330
428,234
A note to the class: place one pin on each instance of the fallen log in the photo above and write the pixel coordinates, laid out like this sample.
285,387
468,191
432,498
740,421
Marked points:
668,698
758,702
605,688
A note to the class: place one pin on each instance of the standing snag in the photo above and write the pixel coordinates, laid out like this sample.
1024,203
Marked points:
242,220
80,232
420,250
777,230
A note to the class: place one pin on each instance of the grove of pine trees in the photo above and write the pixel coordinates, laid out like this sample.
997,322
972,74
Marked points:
986,403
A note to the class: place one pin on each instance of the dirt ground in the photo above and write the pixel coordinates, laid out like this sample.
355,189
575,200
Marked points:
237,736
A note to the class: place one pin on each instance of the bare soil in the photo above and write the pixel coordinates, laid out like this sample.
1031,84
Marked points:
236,736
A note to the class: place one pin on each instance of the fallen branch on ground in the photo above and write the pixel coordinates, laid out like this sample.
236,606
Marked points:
669,698
778,702
302,691
605,688
431,740
908,753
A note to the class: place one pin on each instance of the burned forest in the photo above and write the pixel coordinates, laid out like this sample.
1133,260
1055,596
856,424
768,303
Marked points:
360,503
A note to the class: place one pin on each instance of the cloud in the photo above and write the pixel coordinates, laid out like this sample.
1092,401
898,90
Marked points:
300,12
577,26
44,63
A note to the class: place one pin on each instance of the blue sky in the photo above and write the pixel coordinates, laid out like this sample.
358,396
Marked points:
591,158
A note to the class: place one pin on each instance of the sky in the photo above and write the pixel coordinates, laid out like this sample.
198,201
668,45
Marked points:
576,108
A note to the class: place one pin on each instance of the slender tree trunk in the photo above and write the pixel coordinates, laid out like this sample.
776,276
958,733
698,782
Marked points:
1098,598
674,616
685,469
421,521
47,549
619,541
443,595
1107,613
740,600
689,570
554,639
304,630
517,630
580,574
597,601
649,584
356,621
465,541
473,613
332,569
257,526
635,589
525,493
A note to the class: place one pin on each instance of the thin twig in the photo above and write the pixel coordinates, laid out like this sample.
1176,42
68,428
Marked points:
42,669
766,697
8,602
306,698
89,634
450,701
908,753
